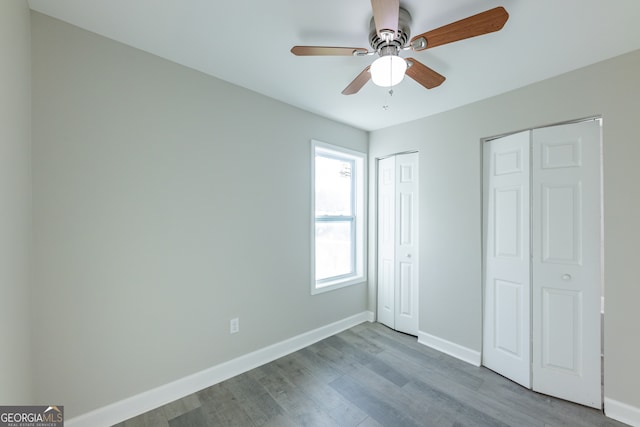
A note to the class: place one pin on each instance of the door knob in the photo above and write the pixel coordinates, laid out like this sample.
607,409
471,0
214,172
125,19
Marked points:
566,277
408,255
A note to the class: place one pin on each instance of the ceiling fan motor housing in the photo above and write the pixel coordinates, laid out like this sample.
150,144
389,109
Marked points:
383,45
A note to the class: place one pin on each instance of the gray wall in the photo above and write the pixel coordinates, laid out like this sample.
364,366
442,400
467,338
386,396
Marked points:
15,201
450,203
165,203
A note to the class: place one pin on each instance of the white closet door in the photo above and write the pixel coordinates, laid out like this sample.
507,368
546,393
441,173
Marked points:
398,242
407,243
506,348
566,262
386,241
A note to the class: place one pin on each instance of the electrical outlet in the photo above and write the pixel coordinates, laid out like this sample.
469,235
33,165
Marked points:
234,326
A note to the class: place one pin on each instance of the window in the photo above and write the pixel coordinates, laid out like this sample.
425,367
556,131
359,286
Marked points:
338,239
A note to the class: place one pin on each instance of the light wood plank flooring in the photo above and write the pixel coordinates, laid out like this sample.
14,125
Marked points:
369,376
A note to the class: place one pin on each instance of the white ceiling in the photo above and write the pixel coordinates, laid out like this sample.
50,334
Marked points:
247,42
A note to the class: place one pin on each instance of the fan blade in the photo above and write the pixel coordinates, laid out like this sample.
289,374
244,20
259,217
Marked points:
358,82
326,51
385,15
485,22
423,74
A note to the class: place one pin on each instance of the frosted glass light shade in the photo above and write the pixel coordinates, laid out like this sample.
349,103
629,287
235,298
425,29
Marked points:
388,70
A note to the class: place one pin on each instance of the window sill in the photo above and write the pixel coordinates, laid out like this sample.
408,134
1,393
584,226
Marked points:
336,284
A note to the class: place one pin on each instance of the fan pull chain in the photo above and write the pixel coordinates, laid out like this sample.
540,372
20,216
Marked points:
385,106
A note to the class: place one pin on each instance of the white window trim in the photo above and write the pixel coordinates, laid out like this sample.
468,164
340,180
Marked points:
360,176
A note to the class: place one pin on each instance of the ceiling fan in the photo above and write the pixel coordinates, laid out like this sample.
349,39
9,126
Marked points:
389,35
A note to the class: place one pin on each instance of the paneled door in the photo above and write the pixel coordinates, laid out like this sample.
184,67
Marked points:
507,261
542,259
397,242
566,261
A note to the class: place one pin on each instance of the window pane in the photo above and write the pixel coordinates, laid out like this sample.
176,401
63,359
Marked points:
333,249
333,186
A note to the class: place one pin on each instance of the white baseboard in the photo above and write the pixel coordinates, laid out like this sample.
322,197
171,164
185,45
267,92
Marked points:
622,412
151,399
452,349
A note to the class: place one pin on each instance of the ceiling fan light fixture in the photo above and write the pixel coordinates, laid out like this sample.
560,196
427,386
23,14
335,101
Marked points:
388,70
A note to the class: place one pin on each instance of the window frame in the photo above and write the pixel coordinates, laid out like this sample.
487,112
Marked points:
357,217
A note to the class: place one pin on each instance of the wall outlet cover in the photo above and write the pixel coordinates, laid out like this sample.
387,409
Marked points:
234,326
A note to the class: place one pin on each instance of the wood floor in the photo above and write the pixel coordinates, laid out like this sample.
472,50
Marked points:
369,376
